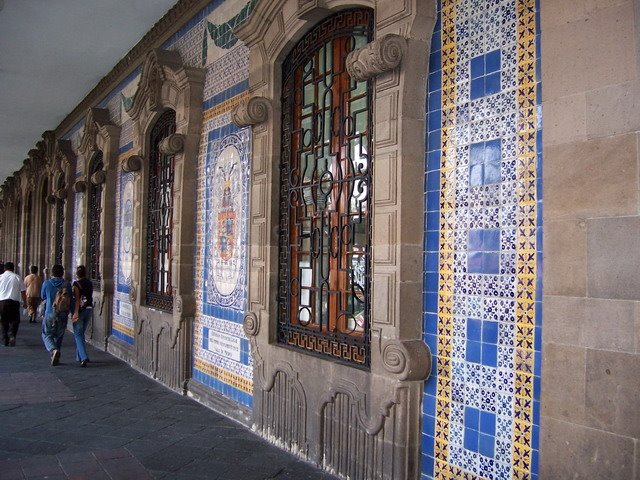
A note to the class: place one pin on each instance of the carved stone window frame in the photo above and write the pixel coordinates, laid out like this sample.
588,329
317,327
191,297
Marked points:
166,83
388,397
65,166
100,134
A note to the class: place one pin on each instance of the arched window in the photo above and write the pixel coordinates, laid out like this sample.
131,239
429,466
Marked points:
325,234
160,216
59,233
27,231
44,206
18,231
95,224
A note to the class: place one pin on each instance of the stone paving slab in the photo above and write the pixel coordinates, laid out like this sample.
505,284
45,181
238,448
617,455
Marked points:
108,421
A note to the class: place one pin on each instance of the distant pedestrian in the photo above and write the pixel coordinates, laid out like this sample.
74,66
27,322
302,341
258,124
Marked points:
83,297
33,282
58,296
11,291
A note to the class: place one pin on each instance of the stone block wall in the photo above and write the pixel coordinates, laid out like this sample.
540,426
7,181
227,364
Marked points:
591,337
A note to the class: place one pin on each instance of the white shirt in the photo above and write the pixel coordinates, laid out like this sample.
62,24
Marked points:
10,286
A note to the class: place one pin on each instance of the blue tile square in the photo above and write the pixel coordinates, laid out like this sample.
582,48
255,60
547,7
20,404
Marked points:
474,328
432,240
491,240
489,355
433,201
476,175
490,331
431,323
474,352
471,418
491,173
435,142
433,181
435,80
492,61
433,161
477,66
486,445
471,439
477,88
493,151
435,61
476,241
477,153
435,120
492,84
491,263
435,100
488,423
475,262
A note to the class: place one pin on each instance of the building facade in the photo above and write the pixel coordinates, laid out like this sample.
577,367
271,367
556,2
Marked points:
327,220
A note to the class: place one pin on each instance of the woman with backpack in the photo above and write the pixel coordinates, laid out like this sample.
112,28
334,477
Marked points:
58,296
83,299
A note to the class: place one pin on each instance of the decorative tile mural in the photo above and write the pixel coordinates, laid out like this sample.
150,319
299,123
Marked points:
123,323
222,357
483,259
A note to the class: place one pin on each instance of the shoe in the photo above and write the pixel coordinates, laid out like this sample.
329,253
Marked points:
55,357
12,342
83,363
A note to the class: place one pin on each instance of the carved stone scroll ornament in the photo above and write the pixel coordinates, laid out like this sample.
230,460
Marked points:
252,112
251,324
99,177
132,163
408,359
61,193
376,57
51,199
172,144
80,186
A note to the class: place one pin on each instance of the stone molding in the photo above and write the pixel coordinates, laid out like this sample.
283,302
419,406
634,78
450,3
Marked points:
172,144
64,153
94,121
251,112
376,57
389,395
61,194
99,177
80,186
132,164
407,359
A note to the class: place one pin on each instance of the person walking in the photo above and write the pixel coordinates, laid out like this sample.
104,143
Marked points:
58,296
33,282
11,291
83,297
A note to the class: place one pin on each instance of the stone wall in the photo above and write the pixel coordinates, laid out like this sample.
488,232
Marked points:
591,341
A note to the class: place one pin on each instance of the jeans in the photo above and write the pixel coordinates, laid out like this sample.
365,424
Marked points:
53,327
79,328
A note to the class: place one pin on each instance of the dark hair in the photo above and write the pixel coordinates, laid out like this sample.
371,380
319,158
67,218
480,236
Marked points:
57,271
9,266
81,271
33,269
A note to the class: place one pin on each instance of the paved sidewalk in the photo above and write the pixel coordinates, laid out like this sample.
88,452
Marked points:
108,421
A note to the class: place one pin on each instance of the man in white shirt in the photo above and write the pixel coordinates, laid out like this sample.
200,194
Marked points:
11,291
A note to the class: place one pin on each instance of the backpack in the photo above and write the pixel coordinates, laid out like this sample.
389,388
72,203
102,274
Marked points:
62,301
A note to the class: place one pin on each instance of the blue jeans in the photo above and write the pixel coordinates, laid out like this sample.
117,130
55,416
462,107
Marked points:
53,327
79,328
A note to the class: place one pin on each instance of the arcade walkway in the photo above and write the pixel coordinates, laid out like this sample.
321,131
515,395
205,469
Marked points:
108,421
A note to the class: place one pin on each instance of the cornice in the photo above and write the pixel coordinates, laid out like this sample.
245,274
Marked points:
168,25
